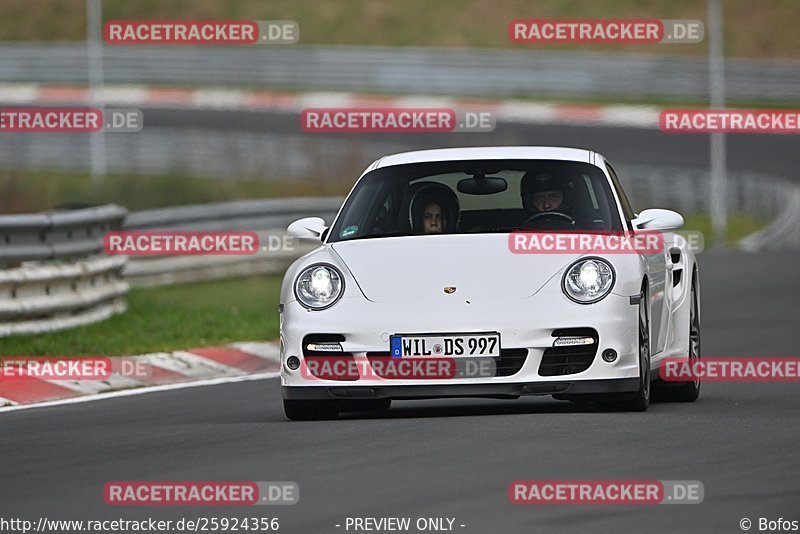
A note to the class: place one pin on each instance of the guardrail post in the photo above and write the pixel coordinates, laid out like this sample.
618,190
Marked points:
716,68
94,43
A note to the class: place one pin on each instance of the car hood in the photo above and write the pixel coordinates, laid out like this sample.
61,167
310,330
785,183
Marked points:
418,268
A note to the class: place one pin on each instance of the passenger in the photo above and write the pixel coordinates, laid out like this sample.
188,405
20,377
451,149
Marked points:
434,210
433,218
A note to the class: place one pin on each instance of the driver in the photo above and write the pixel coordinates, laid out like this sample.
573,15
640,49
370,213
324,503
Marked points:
434,210
546,194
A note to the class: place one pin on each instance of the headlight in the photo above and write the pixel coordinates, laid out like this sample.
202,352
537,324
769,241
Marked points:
588,280
319,286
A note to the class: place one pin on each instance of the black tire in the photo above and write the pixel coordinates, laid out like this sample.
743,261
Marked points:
686,391
641,399
310,410
365,405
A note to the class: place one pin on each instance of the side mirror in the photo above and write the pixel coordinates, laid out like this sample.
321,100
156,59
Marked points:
658,219
308,228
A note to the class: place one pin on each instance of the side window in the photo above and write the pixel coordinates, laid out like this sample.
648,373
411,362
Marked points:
386,216
627,210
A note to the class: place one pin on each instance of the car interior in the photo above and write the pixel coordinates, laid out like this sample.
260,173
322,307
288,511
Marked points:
484,202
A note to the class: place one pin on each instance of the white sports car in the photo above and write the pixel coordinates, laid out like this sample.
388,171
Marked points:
425,287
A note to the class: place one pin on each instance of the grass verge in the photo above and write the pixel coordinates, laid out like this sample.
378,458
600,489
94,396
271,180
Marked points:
169,318
739,226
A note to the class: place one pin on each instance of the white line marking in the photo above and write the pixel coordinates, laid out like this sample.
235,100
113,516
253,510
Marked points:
218,98
324,99
422,101
141,391
521,111
124,95
187,364
206,366
14,93
6,402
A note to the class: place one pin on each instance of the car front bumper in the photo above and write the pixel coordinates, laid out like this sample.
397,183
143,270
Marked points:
524,324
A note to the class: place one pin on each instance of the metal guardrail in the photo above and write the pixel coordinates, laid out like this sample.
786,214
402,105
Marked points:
236,215
58,234
54,277
269,218
148,271
487,72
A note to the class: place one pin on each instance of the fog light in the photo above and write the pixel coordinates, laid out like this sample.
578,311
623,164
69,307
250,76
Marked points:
293,363
609,355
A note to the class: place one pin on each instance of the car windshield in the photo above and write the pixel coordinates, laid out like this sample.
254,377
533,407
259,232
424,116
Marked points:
478,196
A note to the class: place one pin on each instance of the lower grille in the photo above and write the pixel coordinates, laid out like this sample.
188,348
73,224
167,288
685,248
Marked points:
558,361
339,366
508,363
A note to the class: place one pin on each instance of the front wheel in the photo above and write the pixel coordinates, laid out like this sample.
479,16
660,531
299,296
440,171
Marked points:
310,410
641,399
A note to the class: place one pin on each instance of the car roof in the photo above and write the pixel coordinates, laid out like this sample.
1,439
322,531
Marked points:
486,152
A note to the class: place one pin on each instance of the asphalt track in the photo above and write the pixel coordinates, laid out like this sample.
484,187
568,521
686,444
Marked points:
445,458
456,458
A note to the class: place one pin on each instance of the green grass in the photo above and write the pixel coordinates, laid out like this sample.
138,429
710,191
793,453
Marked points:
739,226
32,191
767,28
169,318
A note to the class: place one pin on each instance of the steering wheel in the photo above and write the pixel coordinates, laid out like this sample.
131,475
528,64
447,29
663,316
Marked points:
546,216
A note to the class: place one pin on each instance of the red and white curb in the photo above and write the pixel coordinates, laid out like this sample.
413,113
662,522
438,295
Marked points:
149,96
161,370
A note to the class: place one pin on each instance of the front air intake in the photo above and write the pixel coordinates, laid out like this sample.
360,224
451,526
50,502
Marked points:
570,359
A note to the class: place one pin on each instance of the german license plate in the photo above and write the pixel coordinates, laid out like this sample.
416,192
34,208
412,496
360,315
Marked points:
410,345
